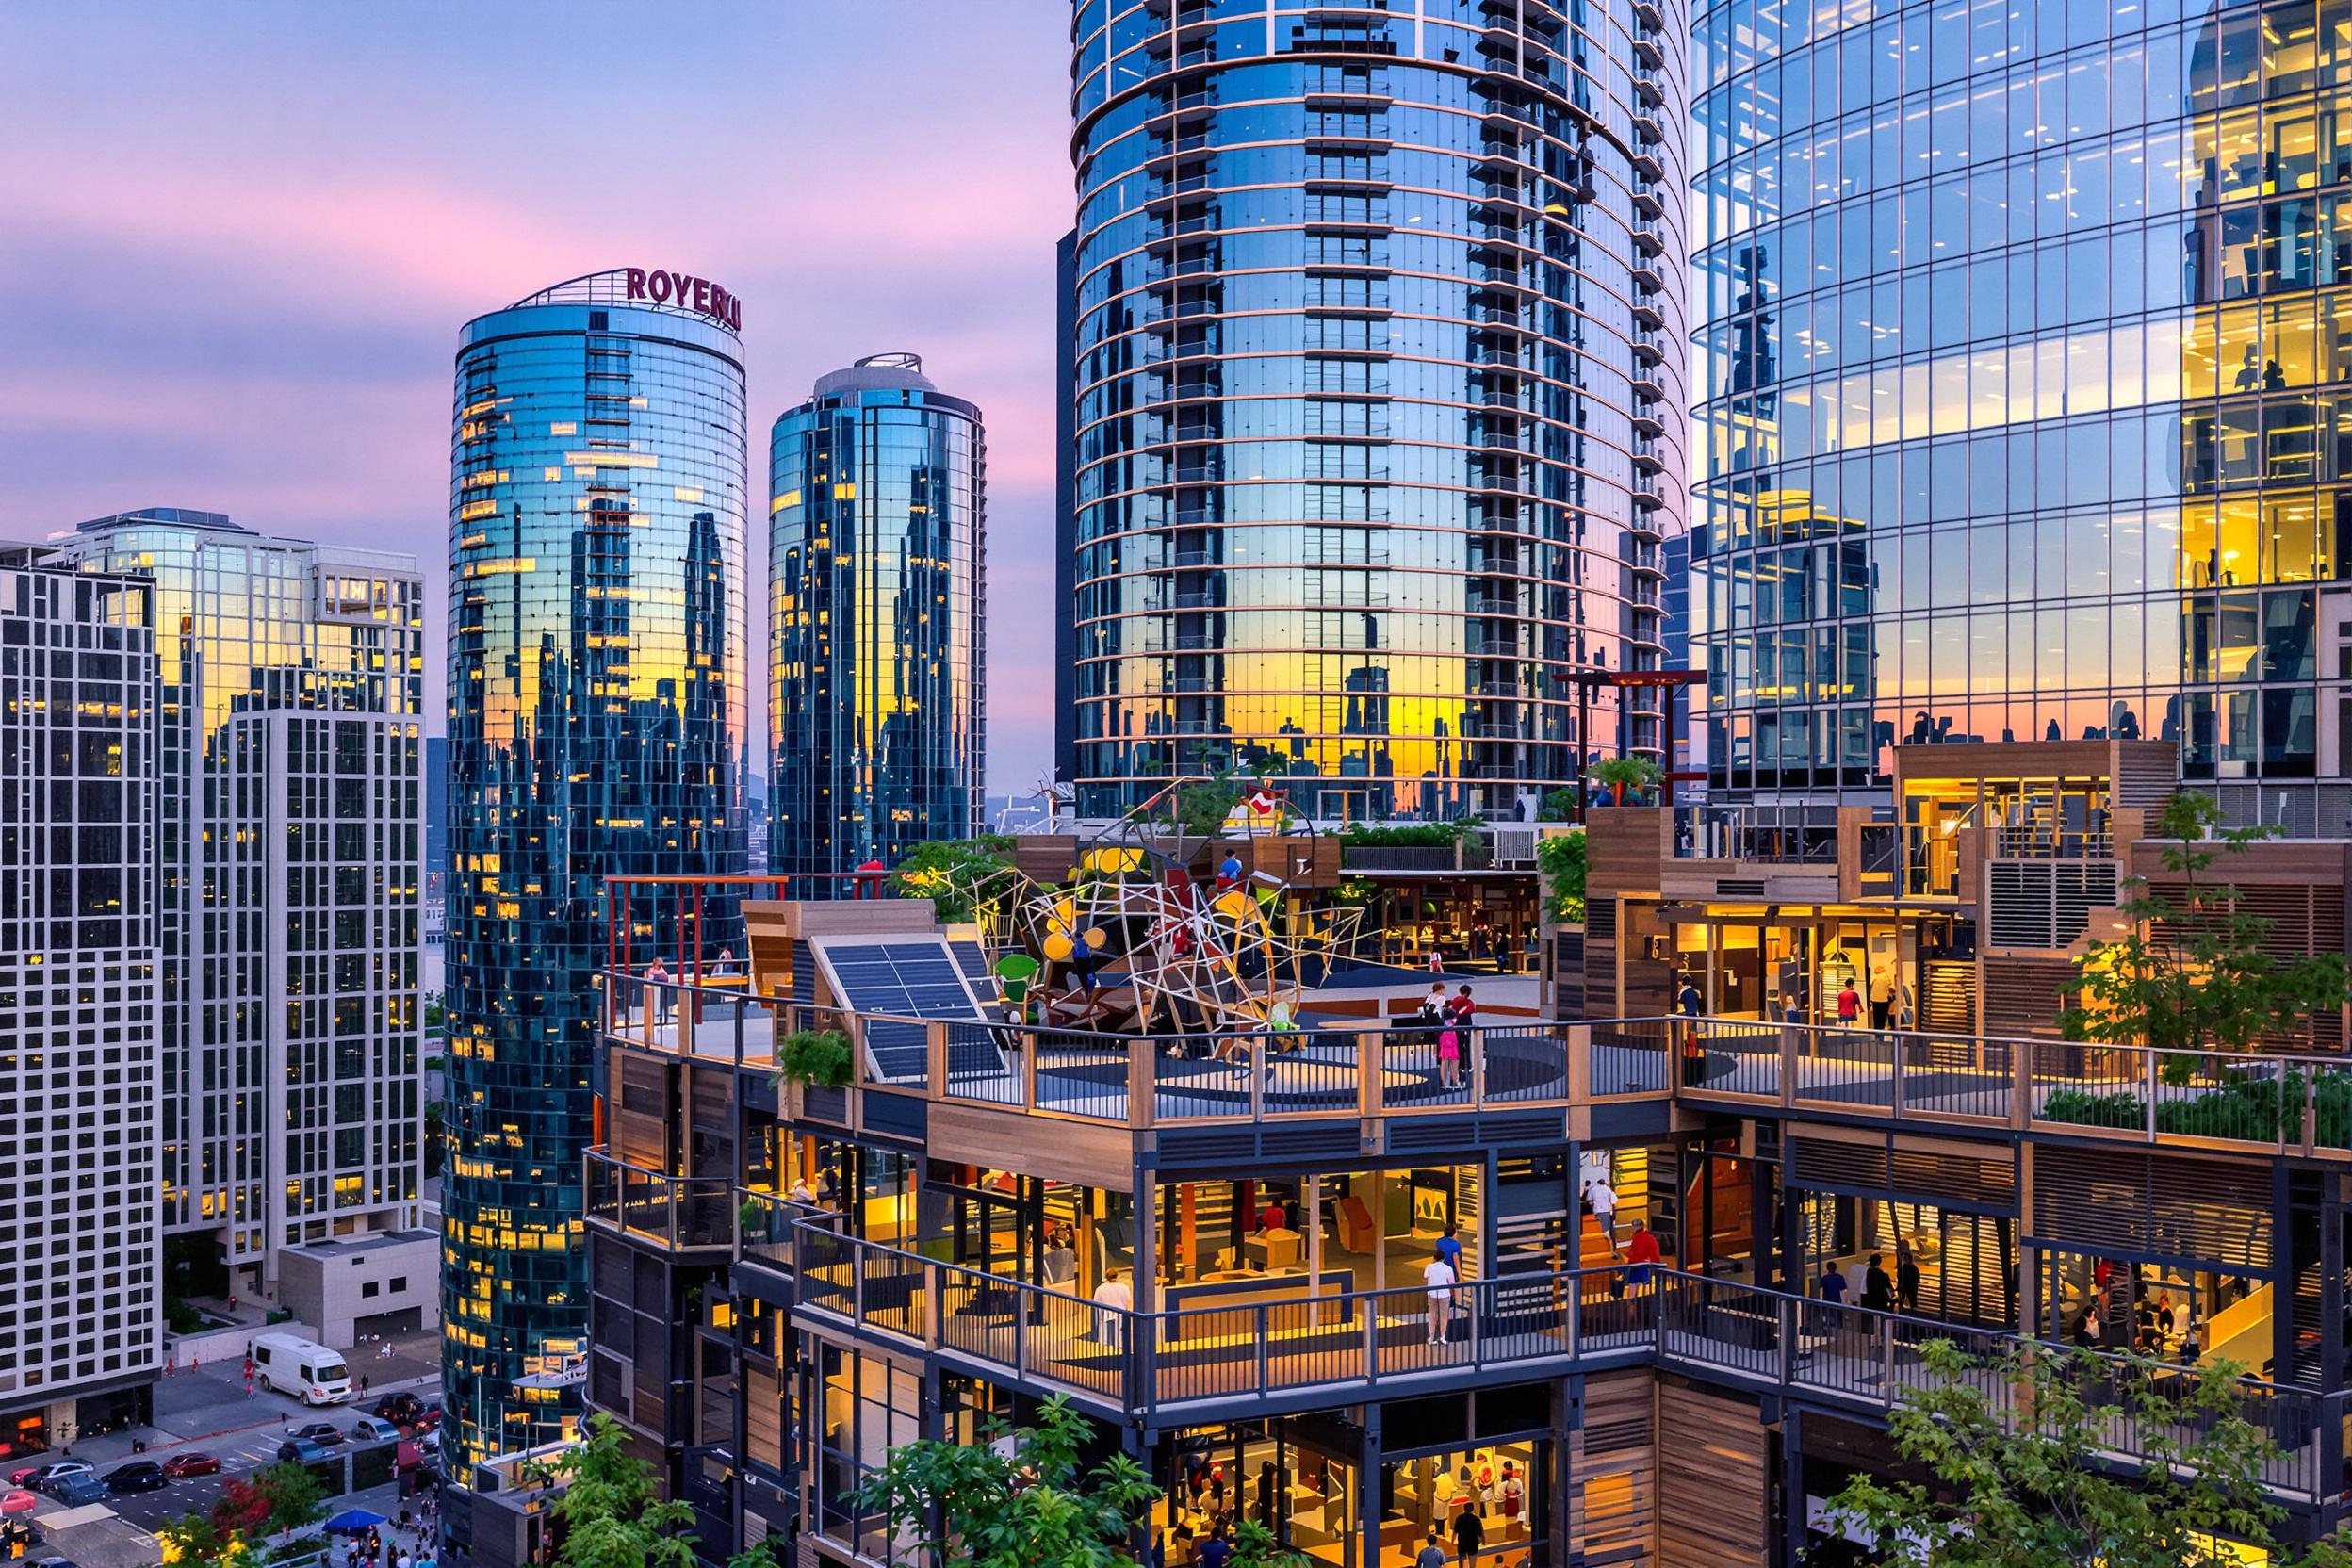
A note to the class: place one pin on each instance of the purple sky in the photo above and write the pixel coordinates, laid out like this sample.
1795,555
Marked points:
237,242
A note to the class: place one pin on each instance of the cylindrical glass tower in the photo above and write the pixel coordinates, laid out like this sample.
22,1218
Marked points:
1377,381
597,726
877,573
2024,342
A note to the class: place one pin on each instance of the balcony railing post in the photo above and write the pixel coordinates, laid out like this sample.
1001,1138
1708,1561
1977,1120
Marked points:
1898,1051
1473,1041
2310,1111
1475,1297
934,1057
1029,1071
2021,1084
1886,1362
1264,1374
1789,1035
1253,1056
934,1296
1579,1064
2148,1065
1020,1331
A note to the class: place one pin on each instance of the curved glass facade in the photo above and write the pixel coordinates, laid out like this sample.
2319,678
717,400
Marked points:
2025,380
596,727
877,571
1378,380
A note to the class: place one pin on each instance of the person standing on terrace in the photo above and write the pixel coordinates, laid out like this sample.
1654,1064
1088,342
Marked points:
1438,1280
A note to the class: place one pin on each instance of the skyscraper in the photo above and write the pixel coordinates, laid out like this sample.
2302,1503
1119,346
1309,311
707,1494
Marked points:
877,576
81,1321
1378,386
289,832
597,728
2024,337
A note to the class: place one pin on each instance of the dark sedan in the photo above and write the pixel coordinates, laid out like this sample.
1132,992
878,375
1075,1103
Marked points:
141,1475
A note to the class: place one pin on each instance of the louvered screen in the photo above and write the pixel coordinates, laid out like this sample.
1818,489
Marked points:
2045,903
1954,1181
2117,1202
1848,1167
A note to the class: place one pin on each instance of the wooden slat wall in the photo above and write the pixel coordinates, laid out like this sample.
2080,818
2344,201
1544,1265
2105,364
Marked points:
1711,1480
1612,1470
2023,996
763,1418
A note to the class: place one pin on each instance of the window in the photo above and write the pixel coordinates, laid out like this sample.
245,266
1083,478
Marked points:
399,1285
368,1288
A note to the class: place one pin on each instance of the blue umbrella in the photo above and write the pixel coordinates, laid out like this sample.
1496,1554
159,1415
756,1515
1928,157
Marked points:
353,1521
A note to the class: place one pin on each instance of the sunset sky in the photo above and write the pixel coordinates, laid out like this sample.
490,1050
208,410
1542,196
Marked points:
237,242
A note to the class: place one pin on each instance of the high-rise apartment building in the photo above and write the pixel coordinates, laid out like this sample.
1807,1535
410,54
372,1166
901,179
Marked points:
2024,337
81,1325
596,728
288,834
877,564
1378,359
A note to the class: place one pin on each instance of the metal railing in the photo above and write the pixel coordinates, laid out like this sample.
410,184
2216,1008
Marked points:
677,1211
2276,1101
1186,1360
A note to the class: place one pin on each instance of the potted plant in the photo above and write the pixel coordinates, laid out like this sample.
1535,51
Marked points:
1621,774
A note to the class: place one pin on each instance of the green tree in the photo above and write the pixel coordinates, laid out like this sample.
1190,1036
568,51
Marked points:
193,1540
2192,977
2006,1493
1255,1547
292,1495
1560,859
958,875
1625,776
612,1513
1032,1508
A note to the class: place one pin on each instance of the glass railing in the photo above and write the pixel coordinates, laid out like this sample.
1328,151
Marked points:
1722,833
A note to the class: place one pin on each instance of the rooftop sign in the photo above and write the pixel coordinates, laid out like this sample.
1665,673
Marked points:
699,295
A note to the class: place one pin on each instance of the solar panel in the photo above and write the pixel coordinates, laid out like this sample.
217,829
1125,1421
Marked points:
914,980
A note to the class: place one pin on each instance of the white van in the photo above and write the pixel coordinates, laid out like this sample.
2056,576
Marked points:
286,1364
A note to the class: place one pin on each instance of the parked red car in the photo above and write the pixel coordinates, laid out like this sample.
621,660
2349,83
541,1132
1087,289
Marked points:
180,1466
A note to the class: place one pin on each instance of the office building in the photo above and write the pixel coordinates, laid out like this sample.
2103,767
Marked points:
597,728
1377,360
289,832
2023,337
877,577
81,1173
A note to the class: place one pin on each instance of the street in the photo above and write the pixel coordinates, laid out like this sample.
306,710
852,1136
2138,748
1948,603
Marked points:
207,1410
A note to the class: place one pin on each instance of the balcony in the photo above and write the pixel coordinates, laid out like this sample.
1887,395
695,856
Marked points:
2263,1102
680,1213
1320,1348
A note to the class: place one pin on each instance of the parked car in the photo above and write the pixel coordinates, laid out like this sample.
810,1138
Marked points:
401,1407
431,1420
372,1428
29,1473
141,1475
82,1486
324,1434
179,1466
66,1470
301,1450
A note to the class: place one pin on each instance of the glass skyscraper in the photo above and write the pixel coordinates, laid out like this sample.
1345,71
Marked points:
1378,362
596,727
2025,388
877,559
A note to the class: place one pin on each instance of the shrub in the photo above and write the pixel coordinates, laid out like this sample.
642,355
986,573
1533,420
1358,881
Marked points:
814,1058
1560,857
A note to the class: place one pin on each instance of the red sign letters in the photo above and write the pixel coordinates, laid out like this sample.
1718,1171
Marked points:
699,295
